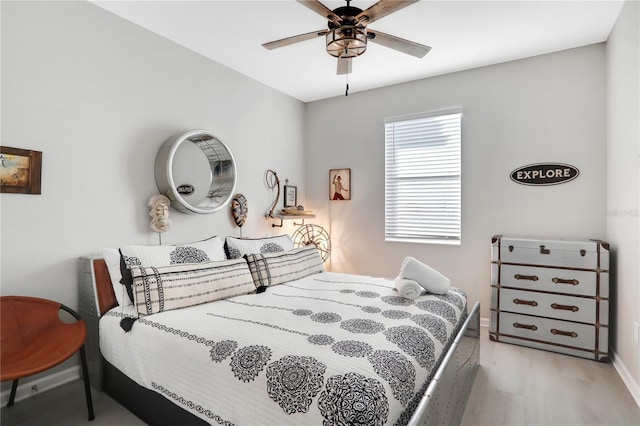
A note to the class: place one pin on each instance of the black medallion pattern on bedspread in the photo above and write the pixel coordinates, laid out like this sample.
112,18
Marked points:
415,342
397,370
293,381
326,317
248,362
435,325
362,326
352,348
353,399
221,350
439,307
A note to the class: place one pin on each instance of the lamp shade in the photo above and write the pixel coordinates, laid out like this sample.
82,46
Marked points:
346,41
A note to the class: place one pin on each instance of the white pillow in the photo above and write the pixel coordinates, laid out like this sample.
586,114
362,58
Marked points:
112,259
238,247
196,252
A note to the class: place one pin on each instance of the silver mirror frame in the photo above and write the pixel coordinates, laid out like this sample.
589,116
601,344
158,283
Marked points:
164,171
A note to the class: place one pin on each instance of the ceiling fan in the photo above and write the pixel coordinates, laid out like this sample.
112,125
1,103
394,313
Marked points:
347,34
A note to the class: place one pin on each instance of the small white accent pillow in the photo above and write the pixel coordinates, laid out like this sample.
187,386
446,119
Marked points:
163,288
238,247
428,278
277,268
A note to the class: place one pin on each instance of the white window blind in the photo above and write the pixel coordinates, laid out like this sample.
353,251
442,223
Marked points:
422,178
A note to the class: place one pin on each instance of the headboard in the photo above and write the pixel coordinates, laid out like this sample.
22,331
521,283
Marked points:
106,299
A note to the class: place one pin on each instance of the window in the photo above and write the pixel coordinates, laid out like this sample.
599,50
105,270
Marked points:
422,178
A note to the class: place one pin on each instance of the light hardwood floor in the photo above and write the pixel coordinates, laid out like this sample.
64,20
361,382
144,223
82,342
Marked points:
514,386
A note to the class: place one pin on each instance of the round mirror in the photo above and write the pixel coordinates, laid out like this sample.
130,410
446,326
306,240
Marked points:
197,171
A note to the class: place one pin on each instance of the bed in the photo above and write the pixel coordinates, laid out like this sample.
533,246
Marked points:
328,348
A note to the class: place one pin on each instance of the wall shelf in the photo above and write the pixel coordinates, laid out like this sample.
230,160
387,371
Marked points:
283,217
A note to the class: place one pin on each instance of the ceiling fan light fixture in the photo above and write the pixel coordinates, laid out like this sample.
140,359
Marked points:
346,41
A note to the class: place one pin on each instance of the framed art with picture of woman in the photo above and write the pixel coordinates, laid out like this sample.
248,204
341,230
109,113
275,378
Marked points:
340,184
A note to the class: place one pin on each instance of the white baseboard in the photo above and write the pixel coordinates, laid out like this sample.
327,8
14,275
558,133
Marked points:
484,322
626,377
43,384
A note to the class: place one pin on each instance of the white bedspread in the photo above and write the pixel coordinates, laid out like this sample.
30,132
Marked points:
330,347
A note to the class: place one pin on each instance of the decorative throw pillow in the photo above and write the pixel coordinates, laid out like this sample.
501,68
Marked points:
277,268
163,288
238,247
197,252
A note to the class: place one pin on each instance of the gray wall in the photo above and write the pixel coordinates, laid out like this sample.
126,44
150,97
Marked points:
98,96
623,187
548,108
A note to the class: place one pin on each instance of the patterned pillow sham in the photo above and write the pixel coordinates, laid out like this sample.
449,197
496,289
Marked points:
238,247
278,268
196,252
164,288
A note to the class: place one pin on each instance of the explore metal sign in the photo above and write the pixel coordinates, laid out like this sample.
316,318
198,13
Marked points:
544,174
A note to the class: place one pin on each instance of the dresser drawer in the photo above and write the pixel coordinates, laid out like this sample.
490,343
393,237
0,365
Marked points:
566,281
548,305
585,254
554,331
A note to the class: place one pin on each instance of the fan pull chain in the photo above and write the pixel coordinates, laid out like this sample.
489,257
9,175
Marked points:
346,92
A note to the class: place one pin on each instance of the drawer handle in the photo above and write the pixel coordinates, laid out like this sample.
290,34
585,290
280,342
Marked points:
525,302
544,250
526,277
527,326
571,334
571,308
563,281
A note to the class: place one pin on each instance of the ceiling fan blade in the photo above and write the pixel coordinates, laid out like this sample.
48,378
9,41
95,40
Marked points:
294,39
382,9
344,66
321,9
405,46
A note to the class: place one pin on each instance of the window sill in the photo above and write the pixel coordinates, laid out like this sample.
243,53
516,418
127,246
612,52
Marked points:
424,241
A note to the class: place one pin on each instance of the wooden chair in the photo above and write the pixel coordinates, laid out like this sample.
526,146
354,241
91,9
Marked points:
34,339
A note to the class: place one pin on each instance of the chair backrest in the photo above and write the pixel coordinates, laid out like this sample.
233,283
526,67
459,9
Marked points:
34,338
23,320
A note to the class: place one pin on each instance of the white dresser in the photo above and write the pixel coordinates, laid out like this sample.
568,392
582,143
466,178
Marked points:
551,295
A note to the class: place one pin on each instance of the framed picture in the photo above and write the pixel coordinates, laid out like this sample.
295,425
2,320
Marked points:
340,184
290,196
20,170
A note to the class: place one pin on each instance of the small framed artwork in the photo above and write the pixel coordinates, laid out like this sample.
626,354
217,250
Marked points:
290,196
20,170
340,184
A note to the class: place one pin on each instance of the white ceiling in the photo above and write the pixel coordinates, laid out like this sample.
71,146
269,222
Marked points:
462,34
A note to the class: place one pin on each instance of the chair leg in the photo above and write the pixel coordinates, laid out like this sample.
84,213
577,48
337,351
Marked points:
12,396
87,386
